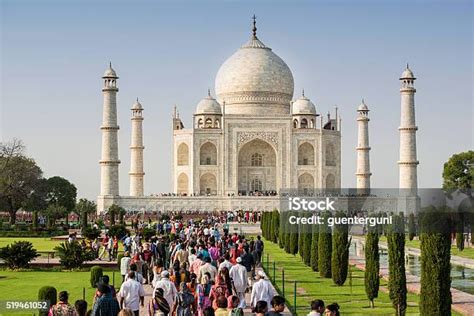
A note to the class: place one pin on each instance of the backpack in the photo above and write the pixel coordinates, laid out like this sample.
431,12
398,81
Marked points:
236,312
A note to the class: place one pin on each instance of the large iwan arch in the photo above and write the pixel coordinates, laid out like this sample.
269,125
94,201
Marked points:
256,167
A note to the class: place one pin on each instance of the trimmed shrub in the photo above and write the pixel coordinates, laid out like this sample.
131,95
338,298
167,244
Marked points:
96,274
18,255
340,252
372,265
118,230
397,283
324,249
314,248
411,227
47,293
90,233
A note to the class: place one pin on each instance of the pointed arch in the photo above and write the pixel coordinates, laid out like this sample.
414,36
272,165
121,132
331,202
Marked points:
183,155
183,184
306,154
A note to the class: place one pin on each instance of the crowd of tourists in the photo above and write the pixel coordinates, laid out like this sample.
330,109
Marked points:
192,268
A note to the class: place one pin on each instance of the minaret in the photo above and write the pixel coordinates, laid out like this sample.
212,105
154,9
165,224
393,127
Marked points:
408,162
136,149
109,163
363,150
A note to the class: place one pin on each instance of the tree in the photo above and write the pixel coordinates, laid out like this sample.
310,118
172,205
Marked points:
324,248
396,265
54,212
18,255
314,248
83,208
307,244
411,226
19,177
276,225
435,246
122,213
62,192
340,252
113,211
372,264
281,229
458,174
458,171
294,234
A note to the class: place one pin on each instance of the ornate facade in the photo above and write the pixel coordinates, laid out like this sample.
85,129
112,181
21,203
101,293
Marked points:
252,139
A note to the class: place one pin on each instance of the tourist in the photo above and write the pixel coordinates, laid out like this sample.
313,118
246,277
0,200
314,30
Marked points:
105,280
332,310
262,290
207,267
138,276
225,262
278,306
258,250
147,257
181,254
157,269
197,263
261,308
104,244
233,305
110,248
105,304
209,311
126,312
125,265
317,308
81,307
62,308
249,264
202,293
115,247
221,309
185,304
192,256
158,306
238,274
169,289
131,294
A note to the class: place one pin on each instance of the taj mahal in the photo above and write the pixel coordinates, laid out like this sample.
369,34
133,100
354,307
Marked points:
249,142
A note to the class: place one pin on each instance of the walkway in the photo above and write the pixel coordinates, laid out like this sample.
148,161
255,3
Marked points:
462,302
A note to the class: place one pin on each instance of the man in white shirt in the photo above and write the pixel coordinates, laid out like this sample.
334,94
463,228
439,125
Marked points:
262,290
192,256
131,294
125,265
226,263
238,274
169,289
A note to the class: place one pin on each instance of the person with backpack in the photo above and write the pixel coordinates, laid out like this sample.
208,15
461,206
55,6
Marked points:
185,304
203,291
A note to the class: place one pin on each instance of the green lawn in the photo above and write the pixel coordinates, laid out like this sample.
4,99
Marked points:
466,253
39,243
25,285
311,286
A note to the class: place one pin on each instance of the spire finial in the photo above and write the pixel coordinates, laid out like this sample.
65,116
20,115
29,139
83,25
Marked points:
302,92
110,64
408,67
254,29
137,99
208,92
363,101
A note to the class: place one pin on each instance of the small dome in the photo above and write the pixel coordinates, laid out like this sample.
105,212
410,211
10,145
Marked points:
363,107
110,72
208,105
407,74
304,106
137,105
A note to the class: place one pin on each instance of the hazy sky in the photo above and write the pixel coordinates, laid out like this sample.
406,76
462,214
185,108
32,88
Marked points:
53,54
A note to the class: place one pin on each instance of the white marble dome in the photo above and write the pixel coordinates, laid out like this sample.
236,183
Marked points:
363,106
252,76
137,106
407,74
208,105
304,106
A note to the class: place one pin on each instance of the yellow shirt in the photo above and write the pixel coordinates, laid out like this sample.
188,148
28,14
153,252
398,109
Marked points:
221,312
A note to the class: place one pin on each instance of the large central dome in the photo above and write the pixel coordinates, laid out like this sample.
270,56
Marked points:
255,81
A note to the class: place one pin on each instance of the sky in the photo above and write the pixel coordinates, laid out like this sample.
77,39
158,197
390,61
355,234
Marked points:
53,54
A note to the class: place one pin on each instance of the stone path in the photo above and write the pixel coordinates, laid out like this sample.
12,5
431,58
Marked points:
462,302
